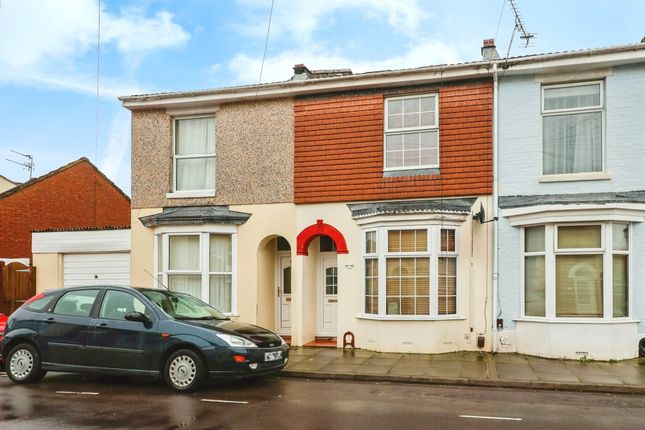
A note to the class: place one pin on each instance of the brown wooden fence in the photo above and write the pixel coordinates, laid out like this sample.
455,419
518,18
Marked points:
17,285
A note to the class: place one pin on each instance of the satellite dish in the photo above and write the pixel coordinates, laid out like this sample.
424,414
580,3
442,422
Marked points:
481,215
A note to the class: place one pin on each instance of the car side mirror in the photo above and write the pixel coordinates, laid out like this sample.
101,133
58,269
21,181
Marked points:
137,316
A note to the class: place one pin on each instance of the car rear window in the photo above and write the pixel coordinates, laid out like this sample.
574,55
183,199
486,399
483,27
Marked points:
38,304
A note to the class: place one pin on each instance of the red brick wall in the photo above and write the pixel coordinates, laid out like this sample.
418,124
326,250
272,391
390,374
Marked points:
74,197
339,148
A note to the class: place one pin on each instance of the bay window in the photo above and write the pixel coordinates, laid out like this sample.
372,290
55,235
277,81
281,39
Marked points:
572,128
410,272
200,264
576,270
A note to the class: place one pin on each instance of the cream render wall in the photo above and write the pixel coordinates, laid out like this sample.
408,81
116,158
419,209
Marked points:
256,279
410,336
49,271
142,250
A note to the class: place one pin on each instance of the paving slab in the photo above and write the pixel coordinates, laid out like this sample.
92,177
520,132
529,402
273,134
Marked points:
469,368
557,377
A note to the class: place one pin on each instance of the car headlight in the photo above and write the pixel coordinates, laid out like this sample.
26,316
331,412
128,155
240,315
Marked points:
236,341
282,342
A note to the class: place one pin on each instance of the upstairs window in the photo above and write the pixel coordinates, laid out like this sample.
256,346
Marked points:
194,155
572,128
411,132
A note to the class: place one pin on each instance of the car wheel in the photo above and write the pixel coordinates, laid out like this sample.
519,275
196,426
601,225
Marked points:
23,364
184,370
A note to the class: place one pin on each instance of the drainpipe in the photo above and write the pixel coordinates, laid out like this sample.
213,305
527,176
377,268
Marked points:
495,263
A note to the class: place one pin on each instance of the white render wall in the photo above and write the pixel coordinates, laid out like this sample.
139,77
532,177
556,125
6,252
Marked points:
520,136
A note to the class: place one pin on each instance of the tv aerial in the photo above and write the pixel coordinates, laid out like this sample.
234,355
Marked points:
28,165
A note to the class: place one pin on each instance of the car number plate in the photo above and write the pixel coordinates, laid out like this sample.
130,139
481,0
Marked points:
272,356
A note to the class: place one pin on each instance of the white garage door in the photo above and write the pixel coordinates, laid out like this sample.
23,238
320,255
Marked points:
96,269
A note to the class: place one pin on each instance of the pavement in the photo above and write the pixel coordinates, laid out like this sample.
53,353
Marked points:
479,369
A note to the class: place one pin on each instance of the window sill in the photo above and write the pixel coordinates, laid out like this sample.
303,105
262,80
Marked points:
571,177
578,320
410,318
190,194
411,172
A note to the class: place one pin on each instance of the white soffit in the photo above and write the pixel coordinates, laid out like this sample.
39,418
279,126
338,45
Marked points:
627,212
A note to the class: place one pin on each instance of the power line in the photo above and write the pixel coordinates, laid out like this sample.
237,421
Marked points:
266,45
98,74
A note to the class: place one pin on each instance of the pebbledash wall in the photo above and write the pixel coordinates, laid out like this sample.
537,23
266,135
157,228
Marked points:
520,170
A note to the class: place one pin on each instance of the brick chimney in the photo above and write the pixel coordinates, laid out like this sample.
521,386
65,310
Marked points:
489,52
300,72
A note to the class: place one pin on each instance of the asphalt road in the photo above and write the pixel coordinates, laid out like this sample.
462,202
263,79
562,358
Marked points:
63,401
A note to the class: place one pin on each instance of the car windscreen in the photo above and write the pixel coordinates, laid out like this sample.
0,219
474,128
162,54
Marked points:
183,306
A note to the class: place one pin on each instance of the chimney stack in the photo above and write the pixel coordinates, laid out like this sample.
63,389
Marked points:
300,72
489,52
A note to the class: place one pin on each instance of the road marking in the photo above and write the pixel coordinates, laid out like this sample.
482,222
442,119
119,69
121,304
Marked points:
238,402
84,393
480,417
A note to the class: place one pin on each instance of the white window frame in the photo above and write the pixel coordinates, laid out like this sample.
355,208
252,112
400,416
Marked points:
433,253
405,130
551,251
191,193
161,267
587,109
370,256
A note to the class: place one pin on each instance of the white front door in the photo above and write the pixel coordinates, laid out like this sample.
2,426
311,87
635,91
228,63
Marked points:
329,296
284,295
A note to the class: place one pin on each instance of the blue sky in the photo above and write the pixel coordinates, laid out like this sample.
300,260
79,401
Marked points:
48,58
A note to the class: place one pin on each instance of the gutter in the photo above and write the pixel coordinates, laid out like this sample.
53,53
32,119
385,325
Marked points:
397,78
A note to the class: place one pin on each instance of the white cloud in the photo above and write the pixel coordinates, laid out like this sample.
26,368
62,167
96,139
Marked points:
280,67
113,163
298,20
44,42
302,25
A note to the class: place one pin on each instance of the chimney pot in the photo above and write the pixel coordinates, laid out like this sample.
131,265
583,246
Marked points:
489,52
489,43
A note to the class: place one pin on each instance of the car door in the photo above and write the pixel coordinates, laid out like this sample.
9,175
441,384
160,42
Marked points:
121,344
65,330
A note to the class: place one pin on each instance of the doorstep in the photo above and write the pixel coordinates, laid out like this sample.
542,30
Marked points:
323,342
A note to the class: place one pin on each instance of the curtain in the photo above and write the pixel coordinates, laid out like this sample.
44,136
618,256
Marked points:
183,253
578,288
220,253
534,286
621,285
447,286
189,284
572,141
195,174
220,292
195,137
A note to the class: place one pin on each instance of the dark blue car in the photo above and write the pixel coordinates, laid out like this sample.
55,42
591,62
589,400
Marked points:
135,331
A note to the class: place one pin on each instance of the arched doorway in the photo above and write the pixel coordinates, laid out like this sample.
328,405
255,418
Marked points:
319,245
274,285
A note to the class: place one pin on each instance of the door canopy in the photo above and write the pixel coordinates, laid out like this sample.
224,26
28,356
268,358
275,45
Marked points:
320,229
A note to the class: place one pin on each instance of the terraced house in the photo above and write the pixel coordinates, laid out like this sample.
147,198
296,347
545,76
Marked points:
329,203
572,204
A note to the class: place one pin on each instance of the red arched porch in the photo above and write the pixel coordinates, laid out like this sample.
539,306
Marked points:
320,229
